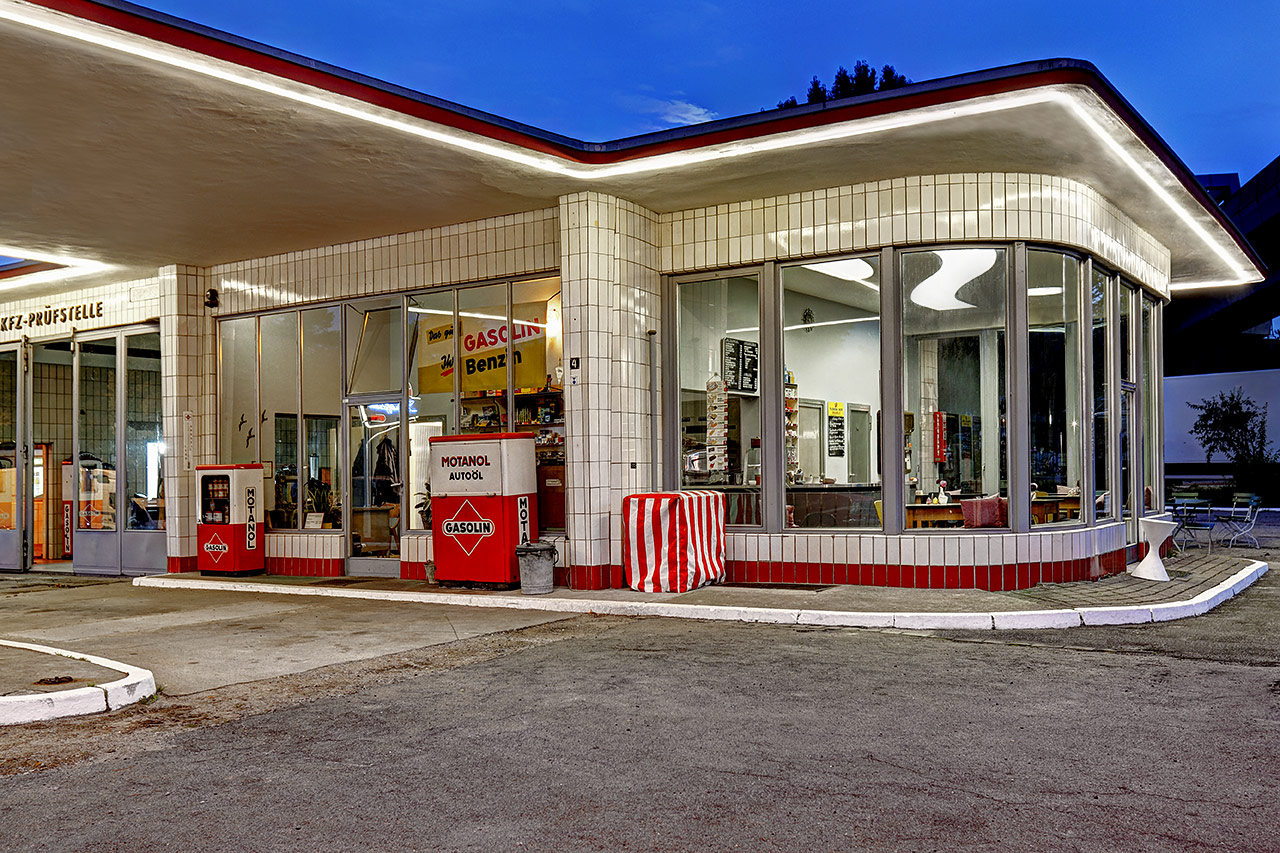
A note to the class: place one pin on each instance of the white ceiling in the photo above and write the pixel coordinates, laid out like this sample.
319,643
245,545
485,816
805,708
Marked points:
137,162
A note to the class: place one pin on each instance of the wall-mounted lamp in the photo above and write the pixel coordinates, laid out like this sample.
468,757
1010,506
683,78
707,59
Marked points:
211,298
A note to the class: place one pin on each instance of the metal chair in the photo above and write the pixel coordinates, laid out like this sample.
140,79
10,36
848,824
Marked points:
1239,522
1194,516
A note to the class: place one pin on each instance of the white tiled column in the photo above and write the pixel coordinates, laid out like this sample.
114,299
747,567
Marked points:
188,360
612,299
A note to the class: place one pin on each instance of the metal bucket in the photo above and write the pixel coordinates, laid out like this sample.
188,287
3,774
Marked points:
537,567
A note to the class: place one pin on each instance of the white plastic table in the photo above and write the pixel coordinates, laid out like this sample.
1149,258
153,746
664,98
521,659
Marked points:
1155,529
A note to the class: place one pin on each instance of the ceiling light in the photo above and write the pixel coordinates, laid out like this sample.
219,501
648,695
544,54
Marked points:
851,269
958,268
1055,290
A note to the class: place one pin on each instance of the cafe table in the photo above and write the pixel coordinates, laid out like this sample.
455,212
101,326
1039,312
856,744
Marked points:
934,515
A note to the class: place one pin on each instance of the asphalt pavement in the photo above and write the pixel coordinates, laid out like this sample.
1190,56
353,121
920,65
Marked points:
609,733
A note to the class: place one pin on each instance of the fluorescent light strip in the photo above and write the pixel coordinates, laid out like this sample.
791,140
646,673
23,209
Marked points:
70,268
80,30
1044,291
416,310
807,325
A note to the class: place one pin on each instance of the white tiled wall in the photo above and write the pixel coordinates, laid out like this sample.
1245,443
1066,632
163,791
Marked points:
123,303
512,245
612,298
910,211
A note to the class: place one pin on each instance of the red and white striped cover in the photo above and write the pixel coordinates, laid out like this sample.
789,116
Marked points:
673,542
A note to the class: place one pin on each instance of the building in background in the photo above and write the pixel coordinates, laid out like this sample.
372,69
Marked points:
914,336
1218,340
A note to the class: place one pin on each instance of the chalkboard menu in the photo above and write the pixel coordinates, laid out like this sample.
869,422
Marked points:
740,365
835,429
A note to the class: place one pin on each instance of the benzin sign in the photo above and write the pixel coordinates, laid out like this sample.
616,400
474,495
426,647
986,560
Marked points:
251,521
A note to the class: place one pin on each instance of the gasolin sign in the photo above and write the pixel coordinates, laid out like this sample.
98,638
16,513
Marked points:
215,548
467,527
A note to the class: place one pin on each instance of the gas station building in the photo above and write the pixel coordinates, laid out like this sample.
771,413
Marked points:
913,336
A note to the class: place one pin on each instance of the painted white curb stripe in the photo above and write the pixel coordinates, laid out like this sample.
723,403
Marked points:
136,685
936,621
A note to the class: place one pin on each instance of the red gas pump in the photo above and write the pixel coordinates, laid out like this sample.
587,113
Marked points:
484,502
229,530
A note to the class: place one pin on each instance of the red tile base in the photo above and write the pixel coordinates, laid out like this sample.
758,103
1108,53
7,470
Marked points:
181,564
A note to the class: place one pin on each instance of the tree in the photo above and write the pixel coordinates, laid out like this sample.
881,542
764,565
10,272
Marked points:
842,85
817,92
891,79
789,102
1232,424
864,78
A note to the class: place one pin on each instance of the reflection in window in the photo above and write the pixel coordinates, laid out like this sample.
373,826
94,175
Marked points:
322,412
278,416
144,434
831,354
1104,501
482,358
432,359
719,359
97,503
374,346
238,392
1056,381
538,349
953,325
1127,413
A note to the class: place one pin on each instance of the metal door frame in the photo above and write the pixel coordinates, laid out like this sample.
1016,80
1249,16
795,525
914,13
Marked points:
14,547
354,564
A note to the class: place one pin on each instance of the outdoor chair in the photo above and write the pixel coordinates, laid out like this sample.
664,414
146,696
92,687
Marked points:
1238,523
1193,517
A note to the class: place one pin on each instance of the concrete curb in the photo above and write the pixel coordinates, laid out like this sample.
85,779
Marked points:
932,621
136,685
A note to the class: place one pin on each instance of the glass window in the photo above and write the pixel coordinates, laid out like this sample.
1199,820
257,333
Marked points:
278,416
97,503
538,348
831,357
322,413
238,392
375,482
953,326
1056,381
482,354
1104,501
8,440
433,337
719,357
1127,411
1152,493
374,346
144,433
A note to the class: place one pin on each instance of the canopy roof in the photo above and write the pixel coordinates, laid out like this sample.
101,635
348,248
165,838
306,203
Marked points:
130,140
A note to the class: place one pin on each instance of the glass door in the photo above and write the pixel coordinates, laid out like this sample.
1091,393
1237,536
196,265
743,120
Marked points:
11,479
374,487
96,485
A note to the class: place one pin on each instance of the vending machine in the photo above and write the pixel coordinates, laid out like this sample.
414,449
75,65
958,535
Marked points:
484,502
229,529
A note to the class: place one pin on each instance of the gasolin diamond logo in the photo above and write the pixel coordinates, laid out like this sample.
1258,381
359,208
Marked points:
215,548
467,527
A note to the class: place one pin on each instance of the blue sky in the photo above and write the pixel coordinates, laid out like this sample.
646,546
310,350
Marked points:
1206,76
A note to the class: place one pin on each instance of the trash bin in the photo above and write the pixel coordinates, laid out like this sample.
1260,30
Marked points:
537,563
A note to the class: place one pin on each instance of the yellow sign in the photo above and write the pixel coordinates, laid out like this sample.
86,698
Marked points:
482,350
835,410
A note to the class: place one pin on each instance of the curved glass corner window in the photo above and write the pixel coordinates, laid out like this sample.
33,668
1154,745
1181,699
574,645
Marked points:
831,380
1153,495
97,503
953,328
1103,497
1056,382
719,359
144,433
321,414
